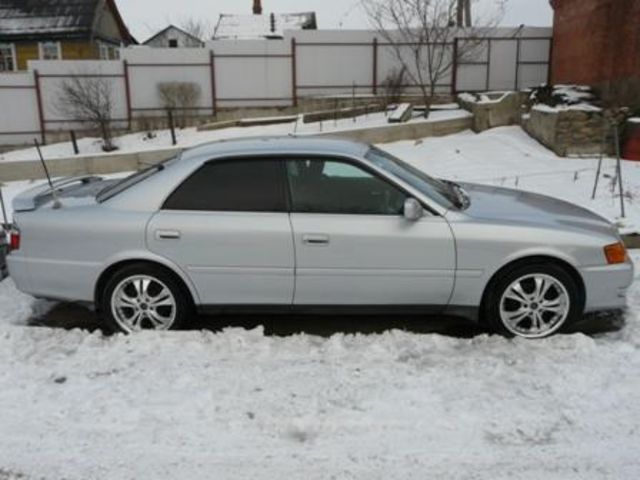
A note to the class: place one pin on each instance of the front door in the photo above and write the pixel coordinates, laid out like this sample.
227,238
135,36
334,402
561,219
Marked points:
227,227
353,244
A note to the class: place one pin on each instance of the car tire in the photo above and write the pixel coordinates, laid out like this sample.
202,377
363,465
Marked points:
144,297
532,301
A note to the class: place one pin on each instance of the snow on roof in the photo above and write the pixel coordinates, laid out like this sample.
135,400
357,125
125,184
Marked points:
32,17
29,19
262,26
173,28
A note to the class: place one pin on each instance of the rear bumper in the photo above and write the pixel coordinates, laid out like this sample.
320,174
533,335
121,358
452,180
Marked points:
59,280
19,273
606,286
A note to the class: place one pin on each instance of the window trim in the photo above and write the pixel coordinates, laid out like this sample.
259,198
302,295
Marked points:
41,50
283,157
216,161
356,162
108,51
14,55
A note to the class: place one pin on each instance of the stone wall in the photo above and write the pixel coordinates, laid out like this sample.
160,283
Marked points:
568,132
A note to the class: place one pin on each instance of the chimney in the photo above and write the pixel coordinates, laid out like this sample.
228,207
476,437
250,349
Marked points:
257,7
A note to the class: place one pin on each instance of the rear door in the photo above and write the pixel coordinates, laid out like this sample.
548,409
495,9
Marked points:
227,227
353,244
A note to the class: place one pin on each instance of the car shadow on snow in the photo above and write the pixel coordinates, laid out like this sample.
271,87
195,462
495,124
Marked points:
71,316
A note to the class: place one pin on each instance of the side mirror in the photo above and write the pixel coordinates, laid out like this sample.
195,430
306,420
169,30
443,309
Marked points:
413,209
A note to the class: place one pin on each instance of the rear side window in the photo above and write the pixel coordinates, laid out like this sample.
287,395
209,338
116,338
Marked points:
250,185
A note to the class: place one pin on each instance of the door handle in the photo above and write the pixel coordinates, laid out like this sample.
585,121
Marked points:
167,234
315,239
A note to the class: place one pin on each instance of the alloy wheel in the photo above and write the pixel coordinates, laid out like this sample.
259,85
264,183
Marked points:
534,306
142,302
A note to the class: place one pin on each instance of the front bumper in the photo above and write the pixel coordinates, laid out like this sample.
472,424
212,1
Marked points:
606,286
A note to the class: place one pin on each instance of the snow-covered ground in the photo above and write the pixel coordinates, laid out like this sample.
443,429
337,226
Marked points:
242,404
239,404
188,137
508,157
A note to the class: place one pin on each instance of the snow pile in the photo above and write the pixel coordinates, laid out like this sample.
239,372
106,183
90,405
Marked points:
558,98
16,308
483,98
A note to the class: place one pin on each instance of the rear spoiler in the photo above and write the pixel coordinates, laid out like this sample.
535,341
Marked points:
35,197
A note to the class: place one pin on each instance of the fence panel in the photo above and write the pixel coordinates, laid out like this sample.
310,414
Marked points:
54,74
148,68
503,60
19,120
390,65
253,73
533,62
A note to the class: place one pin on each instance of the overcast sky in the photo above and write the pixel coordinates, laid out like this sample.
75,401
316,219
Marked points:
144,17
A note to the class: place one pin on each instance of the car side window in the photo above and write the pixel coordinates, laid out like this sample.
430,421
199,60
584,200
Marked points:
340,187
238,185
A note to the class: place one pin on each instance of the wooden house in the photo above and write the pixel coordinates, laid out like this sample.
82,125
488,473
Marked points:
59,30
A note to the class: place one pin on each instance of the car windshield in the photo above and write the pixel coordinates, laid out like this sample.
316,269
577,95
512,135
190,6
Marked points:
439,191
114,189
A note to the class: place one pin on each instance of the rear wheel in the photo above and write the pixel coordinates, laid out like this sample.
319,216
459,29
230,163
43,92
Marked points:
533,301
144,297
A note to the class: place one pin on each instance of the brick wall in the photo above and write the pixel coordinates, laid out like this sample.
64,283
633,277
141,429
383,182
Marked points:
596,41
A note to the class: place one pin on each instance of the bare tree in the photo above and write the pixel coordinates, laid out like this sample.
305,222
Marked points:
421,35
197,27
181,97
89,99
393,86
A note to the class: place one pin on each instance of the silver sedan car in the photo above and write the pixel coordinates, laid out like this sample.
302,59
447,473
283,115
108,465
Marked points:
312,225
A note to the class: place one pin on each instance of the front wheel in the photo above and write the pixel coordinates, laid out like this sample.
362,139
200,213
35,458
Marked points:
533,301
144,297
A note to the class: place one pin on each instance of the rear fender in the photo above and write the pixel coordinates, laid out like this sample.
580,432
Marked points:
146,256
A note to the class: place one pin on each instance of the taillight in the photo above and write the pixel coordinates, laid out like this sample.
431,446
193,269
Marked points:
615,253
14,240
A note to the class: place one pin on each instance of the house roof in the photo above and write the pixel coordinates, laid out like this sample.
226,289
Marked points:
262,26
172,27
54,19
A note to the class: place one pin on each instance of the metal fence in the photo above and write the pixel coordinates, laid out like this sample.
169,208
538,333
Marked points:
260,73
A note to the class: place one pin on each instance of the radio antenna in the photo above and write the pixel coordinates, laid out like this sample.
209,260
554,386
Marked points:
54,193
